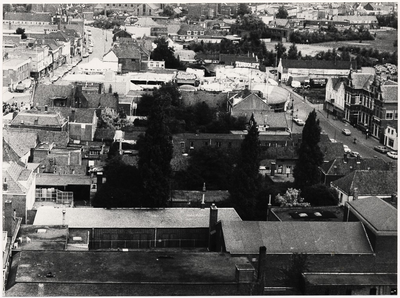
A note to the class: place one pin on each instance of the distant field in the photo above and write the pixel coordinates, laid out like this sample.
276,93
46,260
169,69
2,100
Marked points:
383,42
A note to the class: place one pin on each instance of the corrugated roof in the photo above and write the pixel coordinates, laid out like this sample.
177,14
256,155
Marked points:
132,218
380,214
295,237
368,183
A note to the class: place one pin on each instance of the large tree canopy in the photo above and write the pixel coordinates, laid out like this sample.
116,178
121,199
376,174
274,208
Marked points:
164,53
306,171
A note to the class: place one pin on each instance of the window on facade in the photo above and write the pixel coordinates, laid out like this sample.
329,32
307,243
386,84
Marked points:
219,144
390,142
395,115
373,291
205,143
389,114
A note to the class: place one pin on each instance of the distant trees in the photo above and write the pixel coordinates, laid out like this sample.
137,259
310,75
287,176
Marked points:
168,11
165,53
243,9
21,31
292,52
330,34
246,180
280,50
306,170
387,20
282,13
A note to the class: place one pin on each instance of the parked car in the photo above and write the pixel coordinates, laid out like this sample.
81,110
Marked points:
346,149
355,154
346,131
298,121
392,154
381,149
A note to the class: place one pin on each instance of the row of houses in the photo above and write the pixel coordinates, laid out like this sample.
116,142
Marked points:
365,102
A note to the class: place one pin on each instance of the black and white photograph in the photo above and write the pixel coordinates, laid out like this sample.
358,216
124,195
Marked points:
199,149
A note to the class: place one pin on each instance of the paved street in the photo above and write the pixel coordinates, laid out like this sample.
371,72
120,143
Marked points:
102,40
334,128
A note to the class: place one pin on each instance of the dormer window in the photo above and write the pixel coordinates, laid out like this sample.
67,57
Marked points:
189,32
194,32
201,32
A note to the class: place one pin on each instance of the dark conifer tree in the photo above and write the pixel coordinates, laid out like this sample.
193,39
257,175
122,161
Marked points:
310,157
245,182
155,154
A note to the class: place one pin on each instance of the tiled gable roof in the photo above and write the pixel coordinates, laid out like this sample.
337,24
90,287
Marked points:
361,80
21,142
45,93
380,214
252,102
104,100
189,27
15,174
43,119
130,52
79,115
146,22
389,92
331,150
104,134
368,183
318,64
340,166
270,119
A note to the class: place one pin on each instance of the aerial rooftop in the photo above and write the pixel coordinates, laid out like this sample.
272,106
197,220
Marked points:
132,218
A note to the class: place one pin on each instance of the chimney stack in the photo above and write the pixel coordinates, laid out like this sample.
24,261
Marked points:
63,217
355,195
211,229
5,185
8,217
262,258
204,195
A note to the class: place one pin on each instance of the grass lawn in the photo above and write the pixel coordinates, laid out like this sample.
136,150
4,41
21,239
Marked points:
383,42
